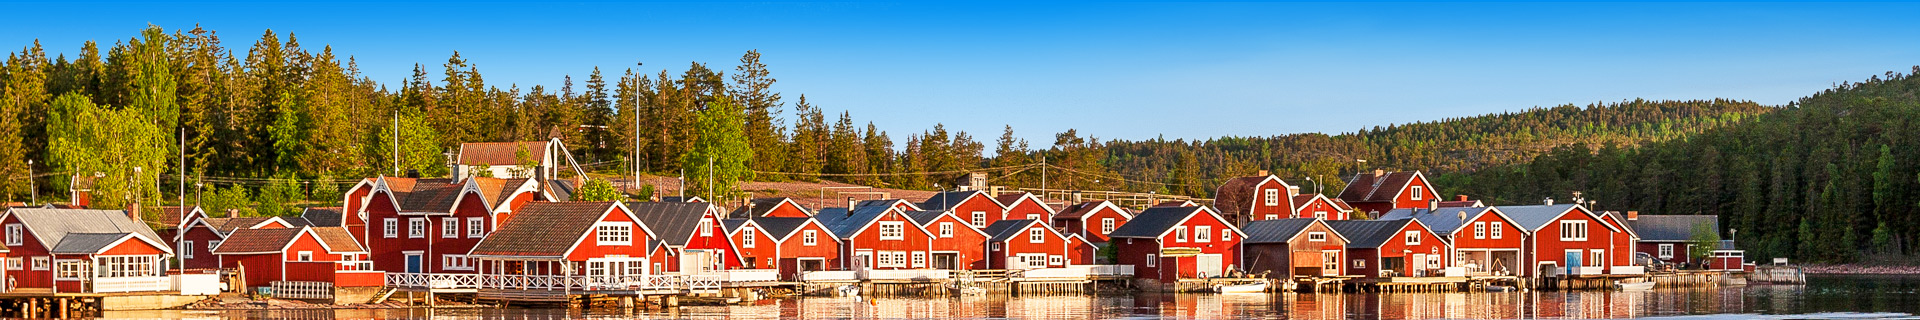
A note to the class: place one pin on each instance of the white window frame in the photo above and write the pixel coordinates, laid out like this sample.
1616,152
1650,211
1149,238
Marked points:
1180,234
1322,214
1666,251
212,244
893,230
70,269
1498,227
613,233
1271,217
706,229
1598,257
1056,260
449,228
1272,197
460,262
1573,230
1152,260
1036,235
1413,237
1202,234
946,229
42,263
16,263
1359,263
979,219
809,238
993,246
1479,230
186,249
1106,226
15,234
391,226
1419,193
919,259
303,256
1226,235
417,228
747,237
476,227
1316,236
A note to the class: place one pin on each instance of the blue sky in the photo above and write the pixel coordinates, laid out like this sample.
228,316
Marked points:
1134,70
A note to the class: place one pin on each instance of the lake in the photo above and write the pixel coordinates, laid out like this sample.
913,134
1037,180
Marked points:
1823,297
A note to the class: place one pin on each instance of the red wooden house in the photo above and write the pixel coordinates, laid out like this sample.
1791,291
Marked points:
878,237
1024,206
1164,244
202,234
1564,236
324,254
695,237
956,244
1381,191
1025,244
770,207
1093,220
80,250
1255,198
1393,248
1317,206
1080,251
974,206
791,245
429,225
1284,248
1485,240
598,239
1670,238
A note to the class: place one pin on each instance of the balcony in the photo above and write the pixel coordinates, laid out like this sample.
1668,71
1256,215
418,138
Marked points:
131,284
843,275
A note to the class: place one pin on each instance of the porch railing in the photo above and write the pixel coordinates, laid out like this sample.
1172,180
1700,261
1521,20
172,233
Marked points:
302,289
553,282
751,275
841,275
131,284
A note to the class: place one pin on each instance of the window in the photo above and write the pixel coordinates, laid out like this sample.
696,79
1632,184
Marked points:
993,246
706,230
305,256
15,263
1273,197
1433,261
1056,260
1036,235
1598,258
1497,226
449,228
392,227
1033,217
946,229
1179,234
1413,238
1316,236
979,219
126,266
1106,225
1152,260
1573,230
417,228
476,227
613,233
893,230
1226,236
1479,230
42,264
1666,251
1273,217
1202,233
212,244
463,262
809,238
893,259
1418,191
186,249
919,259
71,269
1319,214
746,237
14,235
1359,263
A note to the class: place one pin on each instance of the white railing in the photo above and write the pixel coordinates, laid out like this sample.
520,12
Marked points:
703,282
846,275
1110,270
908,274
559,282
751,275
663,282
131,284
1073,272
433,280
302,289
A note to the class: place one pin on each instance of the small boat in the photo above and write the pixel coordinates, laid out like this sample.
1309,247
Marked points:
848,290
1644,285
969,290
1500,289
1255,287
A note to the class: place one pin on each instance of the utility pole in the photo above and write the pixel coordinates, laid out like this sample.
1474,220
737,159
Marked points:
1043,173
710,178
396,141
636,132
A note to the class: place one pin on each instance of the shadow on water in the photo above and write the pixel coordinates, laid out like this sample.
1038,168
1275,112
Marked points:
1835,297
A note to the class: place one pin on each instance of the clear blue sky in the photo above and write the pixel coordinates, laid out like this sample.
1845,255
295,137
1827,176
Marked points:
1112,70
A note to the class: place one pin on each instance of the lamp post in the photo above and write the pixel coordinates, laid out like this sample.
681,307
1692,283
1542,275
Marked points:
30,186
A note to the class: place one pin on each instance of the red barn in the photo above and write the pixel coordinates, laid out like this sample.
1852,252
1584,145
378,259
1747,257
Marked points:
1377,193
1165,244
693,233
325,254
956,244
1284,248
1024,206
976,207
1093,220
1393,248
1256,198
1485,241
80,250
1563,236
598,239
878,237
770,207
802,244
1025,244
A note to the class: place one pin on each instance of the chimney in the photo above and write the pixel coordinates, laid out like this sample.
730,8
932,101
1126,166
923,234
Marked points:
1293,191
1076,197
1264,173
850,204
1434,204
133,212
1460,197
413,173
1548,201
1377,173
1633,215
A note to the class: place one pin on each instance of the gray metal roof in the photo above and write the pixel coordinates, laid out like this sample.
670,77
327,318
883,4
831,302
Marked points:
924,217
1153,222
1005,229
51,226
843,224
732,224
674,221
1535,217
1276,231
1443,220
1672,228
1368,233
780,228
323,217
946,200
758,207
87,243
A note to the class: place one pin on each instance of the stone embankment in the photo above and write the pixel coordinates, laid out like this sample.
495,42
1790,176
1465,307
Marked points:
1861,269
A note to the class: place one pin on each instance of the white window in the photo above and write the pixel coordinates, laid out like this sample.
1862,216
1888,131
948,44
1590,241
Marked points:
809,237
476,227
14,236
42,263
1413,238
893,259
1179,234
417,228
919,259
1036,235
1273,197
71,269
1056,260
1573,230
613,233
1226,236
979,219
1433,261
893,230
15,263
1272,217
1497,227
463,262
706,229
1598,258
1033,217
1316,236
1359,263
1479,230
1418,191
746,237
127,266
1152,260
946,229
1106,225
449,228
1666,251
186,249
1202,233
1319,214
212,244
305,256
993,246
392,227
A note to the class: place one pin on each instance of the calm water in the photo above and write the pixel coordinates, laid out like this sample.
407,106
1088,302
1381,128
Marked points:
1850,297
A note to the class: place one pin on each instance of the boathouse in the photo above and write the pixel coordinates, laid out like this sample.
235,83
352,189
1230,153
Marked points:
1375,194
81,250
306,254
956,244
1393,248
1485,241
1025,244
1165,244
1285,248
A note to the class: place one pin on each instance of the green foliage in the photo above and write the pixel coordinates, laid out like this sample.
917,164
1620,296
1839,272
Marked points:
218,201
647,193
1704,240
598,190
720,152
279,196
325,188
122,149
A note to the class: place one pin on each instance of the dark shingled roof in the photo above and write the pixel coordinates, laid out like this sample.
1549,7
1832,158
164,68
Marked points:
1443,220
781,228
1154,221
844,224
1237,194
338,239
1275,231
1079,210
246,241
435,195
323,216
87,243
52,226
1005,229
674,221
1672,227
1535,217
946,200
923,218
682,199
758,207
1369,188
501,153
544,229
1368,233
732,225
885,202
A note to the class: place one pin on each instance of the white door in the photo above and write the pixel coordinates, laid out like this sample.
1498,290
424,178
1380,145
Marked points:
696,262
1207,265
1418,265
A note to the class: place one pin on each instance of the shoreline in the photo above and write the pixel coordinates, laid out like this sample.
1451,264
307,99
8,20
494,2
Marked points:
1853,269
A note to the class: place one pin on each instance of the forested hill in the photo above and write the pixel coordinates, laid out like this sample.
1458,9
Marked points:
1833,177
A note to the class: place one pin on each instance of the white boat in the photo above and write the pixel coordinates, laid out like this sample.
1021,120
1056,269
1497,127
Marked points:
1256,287
848,290
1644,285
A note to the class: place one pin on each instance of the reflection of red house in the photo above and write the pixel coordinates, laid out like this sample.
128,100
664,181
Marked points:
956,245
1024,206
1393,248
1169,243
1256,198
878,237
325,254
975,207
1094,220
1377,193
693,233
1025,244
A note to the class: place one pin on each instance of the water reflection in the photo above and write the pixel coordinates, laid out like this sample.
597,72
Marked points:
1831,297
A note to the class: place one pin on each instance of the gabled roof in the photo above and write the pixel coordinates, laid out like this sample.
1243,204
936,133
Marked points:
781,228
89,243
1279,230
1008,229
1368,233
1376,188
1534,217
731,225
497,191
758,207
173,216
323,216
946,200
52,226
1672,227
1156,221
338,239
845,224
548,229
501,153
1080,210
1237,195
682,199
887,202
431,195
676,221
1011,199
923,218
1446,220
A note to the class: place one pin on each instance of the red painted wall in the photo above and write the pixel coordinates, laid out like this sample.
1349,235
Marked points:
590,247
868,239
1430,244
1260,209
1549,247
787,209
717,241
203,258
969,242
1321,204
1089,225
29,248
825,246
1051,244
460,244
1026,208
350,213
1134,252
1406,200
1080,252
765,253
979,202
